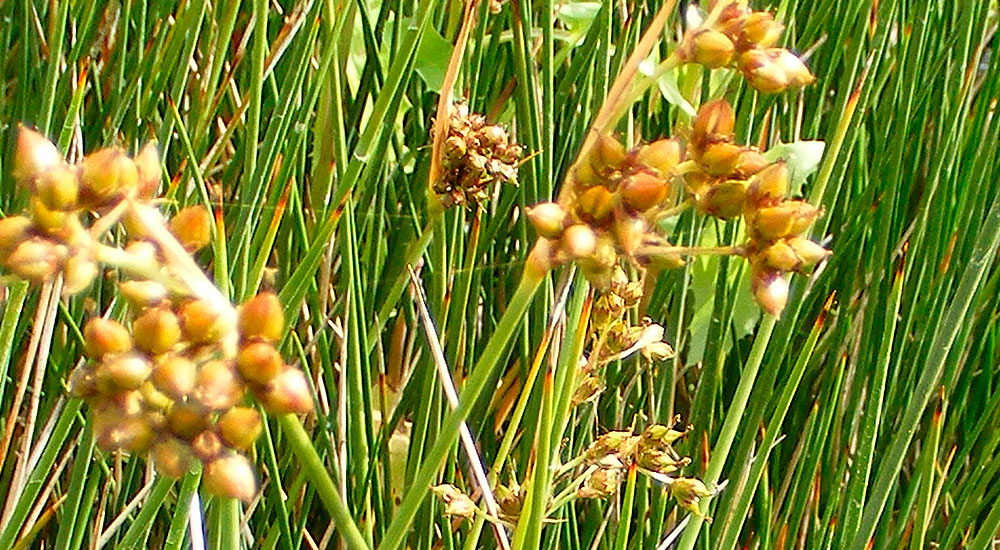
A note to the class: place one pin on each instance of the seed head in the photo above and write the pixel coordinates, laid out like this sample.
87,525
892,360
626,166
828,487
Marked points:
643,190
218,386
126,371
770,290
768,186
206,446
715,122
808,252
259,362
201,322
579,241
147,164
103,337
171,457
595,204
79,273
58,187
13,231
175,375
660,156
712,49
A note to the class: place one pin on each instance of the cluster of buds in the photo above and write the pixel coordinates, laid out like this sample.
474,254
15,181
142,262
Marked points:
614,337
165,385
51,237
736,36
476,157
610,455
174,383
731,180
613,202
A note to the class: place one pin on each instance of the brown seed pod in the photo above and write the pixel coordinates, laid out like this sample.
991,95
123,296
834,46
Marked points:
759,29
193,227
239,427
724,200
13,231
102,337
175,375
643,190
809,253
218,387
608,154
660,156
768,186
201,322
230,476
763,72
715,122
106,175
156,330
58,188
786,219
262,317
579,241
749,163
259,362
171,457
147,164
126,371
712,49
720,159
781,256
187,420
595,205
206,446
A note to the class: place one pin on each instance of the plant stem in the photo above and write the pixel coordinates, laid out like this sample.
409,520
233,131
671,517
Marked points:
321,481
730,426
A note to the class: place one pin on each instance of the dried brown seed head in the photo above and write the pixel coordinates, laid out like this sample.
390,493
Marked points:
660,156
711,49
125,371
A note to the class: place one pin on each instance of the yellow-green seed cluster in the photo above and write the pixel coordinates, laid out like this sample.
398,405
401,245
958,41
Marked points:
165,386
476,156
744,39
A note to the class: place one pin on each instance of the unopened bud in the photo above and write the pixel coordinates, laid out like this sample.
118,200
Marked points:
259,362
35,259
548,219
643,190
761,30
106,175
712,49
781,256
175,375
749,163
102,337
724,200
127,371
49,221
579,241
795,70
262,317
239,427
156,330
661,156
79,273
714,122
58,187
770,290
230,476
808,252
688,492
719,159
13,231
171,457
33,156
787,219
187,420
218,386
192,226
142,294
202,323
768,186
287,393
607,153
595,204
206,446
147,164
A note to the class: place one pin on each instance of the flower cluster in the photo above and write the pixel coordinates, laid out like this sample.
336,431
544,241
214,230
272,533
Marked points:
610,455
736,36
51,238
475,157
175,382
613,201
617,196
